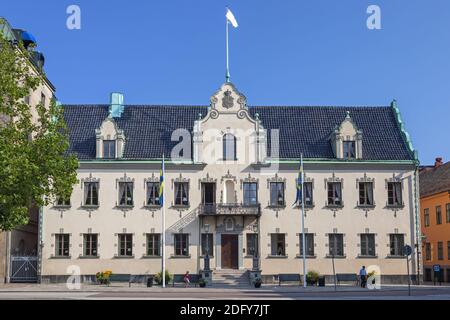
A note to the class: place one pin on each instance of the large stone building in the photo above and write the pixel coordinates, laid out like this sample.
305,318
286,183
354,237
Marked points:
230,184
435,214
22,241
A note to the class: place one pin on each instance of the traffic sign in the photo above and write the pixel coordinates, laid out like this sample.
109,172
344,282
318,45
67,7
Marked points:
436,268
407,250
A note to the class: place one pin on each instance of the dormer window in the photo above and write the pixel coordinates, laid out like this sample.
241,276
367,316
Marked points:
346,140
109,149
349,149
229,147
110,140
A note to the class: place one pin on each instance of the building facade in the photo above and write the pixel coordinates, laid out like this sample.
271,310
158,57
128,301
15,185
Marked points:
23,241
230,185
435,216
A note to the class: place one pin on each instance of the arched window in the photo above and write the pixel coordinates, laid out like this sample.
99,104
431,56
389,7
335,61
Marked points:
229,147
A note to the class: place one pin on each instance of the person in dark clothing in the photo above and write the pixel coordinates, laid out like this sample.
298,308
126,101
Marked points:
363,276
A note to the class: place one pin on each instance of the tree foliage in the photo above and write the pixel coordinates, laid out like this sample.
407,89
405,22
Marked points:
35,167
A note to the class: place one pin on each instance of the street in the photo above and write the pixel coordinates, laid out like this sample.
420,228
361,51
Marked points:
117,292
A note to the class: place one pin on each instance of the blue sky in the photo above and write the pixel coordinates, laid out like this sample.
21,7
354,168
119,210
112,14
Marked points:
308,52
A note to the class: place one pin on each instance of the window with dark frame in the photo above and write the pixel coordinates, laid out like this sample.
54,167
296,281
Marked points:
153,194
181,193
440,250
366,194
277,193
62,245
396,244
308,193
182,244
153,244
309,238
447,213
395,194
125,193
349,150
125,245
91,193
207,244
336,244
43,98
438,215
426,217
448,250
250,193
428,251
109,149
90,245
368,244
252,244
63,201
229,147
278,244
334,193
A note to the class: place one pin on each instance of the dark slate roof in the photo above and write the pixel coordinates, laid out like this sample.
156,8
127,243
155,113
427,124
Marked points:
148,129
434,180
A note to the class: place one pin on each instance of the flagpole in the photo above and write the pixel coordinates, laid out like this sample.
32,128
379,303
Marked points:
163,242
227,75
303,221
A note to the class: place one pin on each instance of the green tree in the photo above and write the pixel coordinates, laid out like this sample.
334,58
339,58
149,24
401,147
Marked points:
35,167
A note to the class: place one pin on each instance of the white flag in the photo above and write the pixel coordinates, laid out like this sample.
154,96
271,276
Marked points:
231,18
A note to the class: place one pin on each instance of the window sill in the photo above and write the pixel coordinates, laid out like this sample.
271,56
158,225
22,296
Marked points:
203,256
125,206
180,257
335,257
395,206
151,257
88,257
180,206
60,257
124,257
366,257
62,207
395,257
307,206
152,206
334,206
276,206
277,257
90,207
365,206
298,256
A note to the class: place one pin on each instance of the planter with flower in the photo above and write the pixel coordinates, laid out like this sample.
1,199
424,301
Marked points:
103,277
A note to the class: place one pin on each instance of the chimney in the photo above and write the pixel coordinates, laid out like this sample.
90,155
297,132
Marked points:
116,107
438,162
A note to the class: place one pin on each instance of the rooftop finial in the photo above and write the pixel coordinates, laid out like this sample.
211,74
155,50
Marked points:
347,116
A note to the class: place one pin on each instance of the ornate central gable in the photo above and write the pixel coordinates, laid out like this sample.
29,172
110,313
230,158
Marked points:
228,100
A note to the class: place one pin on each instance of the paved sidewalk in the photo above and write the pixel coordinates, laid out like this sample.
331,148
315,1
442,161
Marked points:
124,287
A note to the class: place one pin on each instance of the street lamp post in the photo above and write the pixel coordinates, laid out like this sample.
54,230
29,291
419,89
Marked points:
206,264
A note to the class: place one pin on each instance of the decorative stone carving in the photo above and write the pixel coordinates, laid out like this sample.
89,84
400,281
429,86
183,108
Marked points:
249,179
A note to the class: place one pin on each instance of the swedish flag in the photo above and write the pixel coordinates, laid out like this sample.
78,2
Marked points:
161,184
299,196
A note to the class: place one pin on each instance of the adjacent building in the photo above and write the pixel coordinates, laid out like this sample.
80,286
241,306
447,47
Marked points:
435,215
230,185
22,242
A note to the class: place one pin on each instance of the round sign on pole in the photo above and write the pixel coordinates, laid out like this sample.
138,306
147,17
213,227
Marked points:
407,250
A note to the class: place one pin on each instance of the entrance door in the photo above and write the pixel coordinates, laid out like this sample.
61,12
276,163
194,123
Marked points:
230,250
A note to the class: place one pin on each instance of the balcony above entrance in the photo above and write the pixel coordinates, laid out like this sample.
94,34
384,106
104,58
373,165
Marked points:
230,209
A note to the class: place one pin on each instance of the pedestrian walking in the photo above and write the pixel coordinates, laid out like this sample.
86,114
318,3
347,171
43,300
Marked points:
363,276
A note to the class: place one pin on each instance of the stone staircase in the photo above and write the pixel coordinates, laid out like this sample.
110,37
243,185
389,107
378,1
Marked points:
231,278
